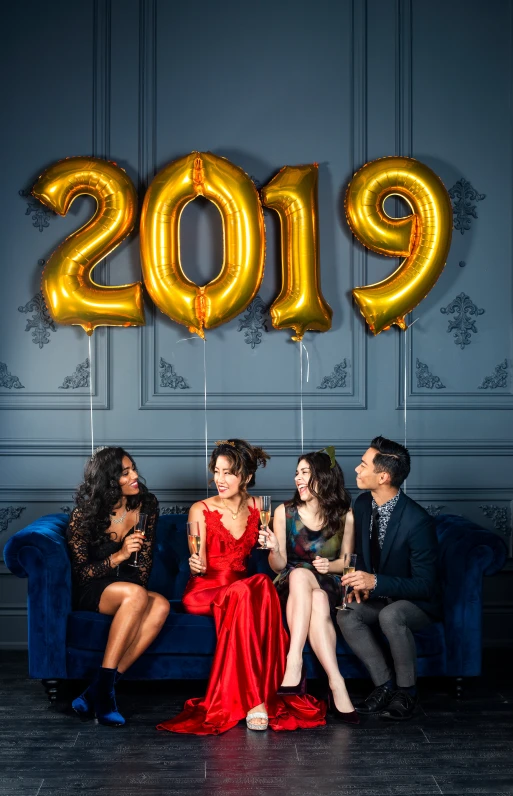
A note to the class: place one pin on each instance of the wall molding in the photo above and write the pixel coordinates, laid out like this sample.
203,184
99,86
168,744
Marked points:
422,493
276,447
101,82
353,397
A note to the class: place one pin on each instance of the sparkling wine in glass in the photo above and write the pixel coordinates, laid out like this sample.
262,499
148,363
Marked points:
194,540
139,526
349,567
265,516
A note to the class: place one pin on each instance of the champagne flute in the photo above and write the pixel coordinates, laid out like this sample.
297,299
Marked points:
265,516
349,567
140,527
194,539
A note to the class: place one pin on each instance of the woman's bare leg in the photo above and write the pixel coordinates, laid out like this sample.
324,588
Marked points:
302,583
153,618
323,640
126,602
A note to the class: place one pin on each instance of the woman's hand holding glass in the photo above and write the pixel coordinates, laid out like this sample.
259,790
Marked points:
196,562
132,543
268,540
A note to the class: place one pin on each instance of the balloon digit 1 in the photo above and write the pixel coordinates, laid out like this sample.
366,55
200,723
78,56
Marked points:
235,196
300,304
423,238
71,295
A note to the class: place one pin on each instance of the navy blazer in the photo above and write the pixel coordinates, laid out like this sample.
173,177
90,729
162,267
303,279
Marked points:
408,564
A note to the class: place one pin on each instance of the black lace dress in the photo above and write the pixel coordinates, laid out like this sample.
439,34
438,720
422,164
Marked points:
90,564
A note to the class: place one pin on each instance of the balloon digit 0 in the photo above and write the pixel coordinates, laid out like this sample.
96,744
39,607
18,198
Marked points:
423,238
300,304
236,198
71,295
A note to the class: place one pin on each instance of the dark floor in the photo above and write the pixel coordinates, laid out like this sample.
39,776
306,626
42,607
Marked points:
451,747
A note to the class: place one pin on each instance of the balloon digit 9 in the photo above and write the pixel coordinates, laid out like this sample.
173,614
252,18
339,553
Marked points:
235,196
71,295
300,304
423,238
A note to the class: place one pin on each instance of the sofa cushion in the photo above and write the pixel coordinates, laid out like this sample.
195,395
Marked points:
182,634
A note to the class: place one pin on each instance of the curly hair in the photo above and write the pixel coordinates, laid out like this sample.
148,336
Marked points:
100,492
326,483
245,459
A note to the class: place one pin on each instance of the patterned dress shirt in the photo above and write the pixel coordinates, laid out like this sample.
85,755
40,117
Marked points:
384,514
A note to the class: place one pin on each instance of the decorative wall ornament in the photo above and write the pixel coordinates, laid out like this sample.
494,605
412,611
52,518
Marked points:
335,379
168,377
8,380
41,322
433,510
254,322
463,194
9,514
66,510
41,215
498,515
174,510
464,307
426,379
499,378
80,378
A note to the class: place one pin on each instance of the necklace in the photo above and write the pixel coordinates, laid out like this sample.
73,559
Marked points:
234,516
119,520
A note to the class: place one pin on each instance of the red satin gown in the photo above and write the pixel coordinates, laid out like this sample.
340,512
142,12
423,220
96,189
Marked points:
249,661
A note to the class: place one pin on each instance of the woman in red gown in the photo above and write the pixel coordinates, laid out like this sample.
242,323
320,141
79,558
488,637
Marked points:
250,657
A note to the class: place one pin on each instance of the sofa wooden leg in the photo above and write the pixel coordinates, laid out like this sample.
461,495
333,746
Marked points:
459,687
51,687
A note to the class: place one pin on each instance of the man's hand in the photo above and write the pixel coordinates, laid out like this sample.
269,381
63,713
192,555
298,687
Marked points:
359,596
360,581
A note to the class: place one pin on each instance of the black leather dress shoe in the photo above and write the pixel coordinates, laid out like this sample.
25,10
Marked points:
377,701
401,707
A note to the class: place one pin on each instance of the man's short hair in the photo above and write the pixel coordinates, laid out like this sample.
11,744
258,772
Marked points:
392,458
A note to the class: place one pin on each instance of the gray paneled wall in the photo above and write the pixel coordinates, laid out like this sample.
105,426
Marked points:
265,85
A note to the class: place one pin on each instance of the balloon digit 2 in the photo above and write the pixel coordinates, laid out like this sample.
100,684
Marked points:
71,295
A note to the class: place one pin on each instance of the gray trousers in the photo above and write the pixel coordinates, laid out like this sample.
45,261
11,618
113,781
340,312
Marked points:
396,620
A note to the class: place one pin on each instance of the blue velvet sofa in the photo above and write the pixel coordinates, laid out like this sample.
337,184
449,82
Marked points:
67,644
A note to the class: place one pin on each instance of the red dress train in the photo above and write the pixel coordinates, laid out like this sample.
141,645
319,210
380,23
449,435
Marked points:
250,657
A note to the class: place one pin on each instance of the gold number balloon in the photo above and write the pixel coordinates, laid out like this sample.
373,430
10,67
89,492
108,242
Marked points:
236,198
70,293
423,238
300,304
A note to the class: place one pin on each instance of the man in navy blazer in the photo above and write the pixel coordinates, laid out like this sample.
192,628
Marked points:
395,584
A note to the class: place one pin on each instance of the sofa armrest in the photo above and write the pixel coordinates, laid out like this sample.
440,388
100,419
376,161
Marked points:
39,553
467,553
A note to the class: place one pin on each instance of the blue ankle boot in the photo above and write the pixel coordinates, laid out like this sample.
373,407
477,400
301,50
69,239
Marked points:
101,694
82,705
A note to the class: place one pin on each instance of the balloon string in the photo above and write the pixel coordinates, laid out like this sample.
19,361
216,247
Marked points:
206,422
91,394
195,337
407,352
405,395
301,394
301,346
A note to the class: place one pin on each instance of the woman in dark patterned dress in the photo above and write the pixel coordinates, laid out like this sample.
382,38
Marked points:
102,540
313,534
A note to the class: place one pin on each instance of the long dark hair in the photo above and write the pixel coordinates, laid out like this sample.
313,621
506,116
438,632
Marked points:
327,485
100,492
244,458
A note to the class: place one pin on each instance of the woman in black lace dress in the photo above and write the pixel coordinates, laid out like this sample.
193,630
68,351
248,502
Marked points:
102,541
